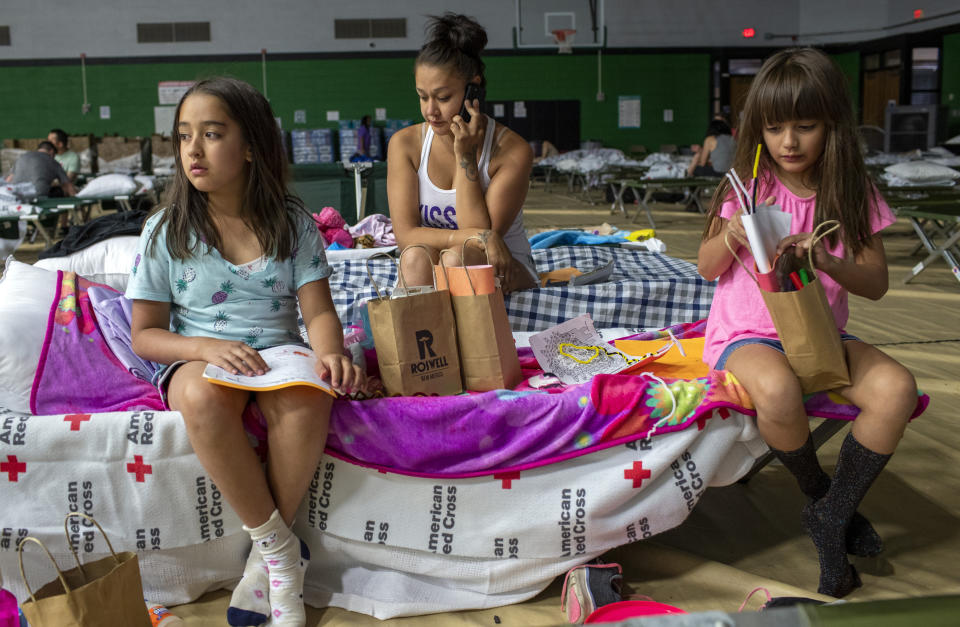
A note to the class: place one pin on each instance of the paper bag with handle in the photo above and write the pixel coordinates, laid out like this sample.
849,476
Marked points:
107,591
415,337
488,355
806,326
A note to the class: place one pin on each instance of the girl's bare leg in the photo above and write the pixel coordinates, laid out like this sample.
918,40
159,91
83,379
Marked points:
297,422
885,392
212,414
775,391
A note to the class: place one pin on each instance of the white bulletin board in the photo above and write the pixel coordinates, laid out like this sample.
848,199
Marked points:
629,112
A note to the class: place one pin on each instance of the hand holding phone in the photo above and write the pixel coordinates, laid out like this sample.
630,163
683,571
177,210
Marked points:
471,93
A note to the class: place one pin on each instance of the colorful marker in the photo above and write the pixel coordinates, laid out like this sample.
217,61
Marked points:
803,276
795,278
756,167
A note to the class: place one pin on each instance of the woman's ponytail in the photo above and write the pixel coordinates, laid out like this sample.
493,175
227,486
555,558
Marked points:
456,40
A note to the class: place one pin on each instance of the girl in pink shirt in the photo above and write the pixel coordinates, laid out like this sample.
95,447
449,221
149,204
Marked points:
798,108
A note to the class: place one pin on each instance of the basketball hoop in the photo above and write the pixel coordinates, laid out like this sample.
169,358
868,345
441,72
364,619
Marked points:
564,38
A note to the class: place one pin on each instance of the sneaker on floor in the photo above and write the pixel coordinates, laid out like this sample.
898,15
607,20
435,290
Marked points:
589,586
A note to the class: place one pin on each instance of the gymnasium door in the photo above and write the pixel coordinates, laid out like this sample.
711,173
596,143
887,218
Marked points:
555,120
739,86
879,87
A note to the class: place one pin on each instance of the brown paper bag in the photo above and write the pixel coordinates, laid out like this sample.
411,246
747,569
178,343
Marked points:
105,592
807,329
416,340
488,355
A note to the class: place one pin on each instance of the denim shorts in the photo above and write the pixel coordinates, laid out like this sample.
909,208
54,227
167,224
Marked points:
774,344
161,380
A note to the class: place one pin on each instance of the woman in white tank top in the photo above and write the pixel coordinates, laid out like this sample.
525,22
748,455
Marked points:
448,179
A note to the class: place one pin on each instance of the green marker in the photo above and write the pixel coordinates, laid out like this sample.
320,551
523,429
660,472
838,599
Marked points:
803,276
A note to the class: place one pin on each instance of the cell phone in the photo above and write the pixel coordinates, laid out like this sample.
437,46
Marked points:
472,92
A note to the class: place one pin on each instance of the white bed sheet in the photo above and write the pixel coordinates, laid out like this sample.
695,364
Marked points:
383,544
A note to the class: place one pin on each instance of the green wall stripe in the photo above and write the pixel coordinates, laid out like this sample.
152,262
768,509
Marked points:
51,95
40,97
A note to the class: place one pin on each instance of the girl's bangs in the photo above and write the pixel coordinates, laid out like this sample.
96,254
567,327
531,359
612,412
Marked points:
791,96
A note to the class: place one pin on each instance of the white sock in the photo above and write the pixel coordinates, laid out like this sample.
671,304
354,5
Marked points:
250,604
286,558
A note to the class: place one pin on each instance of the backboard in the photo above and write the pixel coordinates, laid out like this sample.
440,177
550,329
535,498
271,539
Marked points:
537,19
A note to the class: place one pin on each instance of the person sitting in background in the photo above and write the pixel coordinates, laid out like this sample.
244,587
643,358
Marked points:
543,149
68,160
716,155
363,137
40,168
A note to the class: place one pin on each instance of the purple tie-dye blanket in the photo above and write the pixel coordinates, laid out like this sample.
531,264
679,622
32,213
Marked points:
77,371
512,430
455,436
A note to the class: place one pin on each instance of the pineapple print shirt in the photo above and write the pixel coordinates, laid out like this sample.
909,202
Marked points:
255,302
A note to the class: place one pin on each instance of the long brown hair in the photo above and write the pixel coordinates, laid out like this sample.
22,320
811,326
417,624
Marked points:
267,207
805,84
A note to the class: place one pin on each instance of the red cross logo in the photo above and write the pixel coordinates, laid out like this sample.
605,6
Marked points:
637,473
507,478
723,412
13,468
139,468
75,420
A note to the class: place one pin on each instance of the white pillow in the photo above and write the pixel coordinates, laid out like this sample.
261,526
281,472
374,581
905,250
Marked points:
145,181
108,261
26,295
109,185
922,172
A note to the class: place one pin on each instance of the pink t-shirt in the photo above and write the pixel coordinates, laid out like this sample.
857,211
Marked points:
738,311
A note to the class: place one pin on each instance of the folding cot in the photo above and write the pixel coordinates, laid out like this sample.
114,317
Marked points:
934,212
650,186
934,218
583,180
395,467
51,209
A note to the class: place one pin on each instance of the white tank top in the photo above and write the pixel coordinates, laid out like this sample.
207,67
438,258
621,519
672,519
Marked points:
438,207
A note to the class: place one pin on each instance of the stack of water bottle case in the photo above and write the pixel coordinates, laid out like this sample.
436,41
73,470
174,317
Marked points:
326,145
312,145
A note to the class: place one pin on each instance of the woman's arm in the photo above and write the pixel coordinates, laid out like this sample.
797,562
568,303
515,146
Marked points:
864,275
151,339
468,137
703,155
326,337
511,161
510,164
